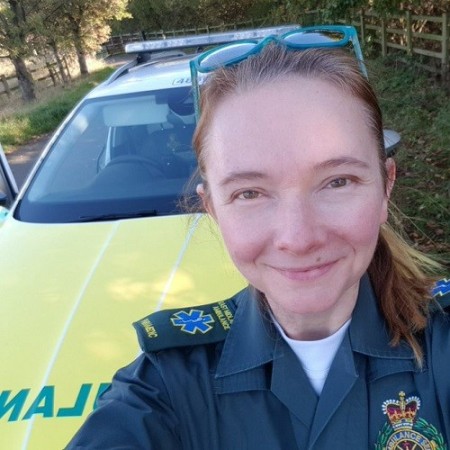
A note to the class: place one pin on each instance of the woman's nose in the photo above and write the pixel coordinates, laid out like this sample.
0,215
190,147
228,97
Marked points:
299,227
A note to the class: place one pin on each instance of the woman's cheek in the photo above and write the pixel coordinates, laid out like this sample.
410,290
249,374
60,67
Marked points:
243,239
363,224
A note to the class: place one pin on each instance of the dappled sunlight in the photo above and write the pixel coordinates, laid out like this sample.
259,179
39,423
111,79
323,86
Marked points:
181,282
129,289
105,346
172,290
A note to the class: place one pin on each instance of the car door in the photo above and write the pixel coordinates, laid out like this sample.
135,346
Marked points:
8,185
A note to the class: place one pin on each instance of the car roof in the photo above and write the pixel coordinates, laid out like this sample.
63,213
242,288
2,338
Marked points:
161,64
162,72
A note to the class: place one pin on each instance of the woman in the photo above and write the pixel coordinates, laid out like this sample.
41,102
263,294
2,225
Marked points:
337,344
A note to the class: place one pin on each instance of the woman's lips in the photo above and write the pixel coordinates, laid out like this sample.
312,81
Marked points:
309,273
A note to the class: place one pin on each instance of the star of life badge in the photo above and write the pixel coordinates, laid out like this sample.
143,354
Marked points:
194,321
404,430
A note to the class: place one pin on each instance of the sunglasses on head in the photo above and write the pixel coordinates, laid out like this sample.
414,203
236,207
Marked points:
325,36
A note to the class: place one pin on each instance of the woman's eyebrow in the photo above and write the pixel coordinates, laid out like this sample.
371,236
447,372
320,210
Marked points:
250,175
239,176
342,161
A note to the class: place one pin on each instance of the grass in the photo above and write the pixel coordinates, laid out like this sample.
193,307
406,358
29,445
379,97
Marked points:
413,104
418,107
44,115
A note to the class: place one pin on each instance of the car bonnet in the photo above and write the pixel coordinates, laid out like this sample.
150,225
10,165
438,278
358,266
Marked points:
69,293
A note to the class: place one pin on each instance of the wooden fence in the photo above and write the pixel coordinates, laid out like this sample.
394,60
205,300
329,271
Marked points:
46,75
403,33
426,39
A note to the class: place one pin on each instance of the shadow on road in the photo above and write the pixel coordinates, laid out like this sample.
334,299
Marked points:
24,158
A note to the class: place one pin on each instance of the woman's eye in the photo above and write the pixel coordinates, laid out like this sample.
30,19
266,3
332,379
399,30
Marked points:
339,182
248,195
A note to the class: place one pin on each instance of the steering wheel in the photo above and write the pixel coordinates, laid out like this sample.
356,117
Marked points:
156,168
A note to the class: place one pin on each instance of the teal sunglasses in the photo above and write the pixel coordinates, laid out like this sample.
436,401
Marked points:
325,36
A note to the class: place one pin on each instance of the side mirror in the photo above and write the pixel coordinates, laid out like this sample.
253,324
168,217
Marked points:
391,141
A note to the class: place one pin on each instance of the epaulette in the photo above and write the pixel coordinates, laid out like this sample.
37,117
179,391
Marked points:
197,325
441,293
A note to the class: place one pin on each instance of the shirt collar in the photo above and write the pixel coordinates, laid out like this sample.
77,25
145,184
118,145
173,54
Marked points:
251,341
254,341
368,330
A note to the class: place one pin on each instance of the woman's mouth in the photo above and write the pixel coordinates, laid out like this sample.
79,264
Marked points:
308,273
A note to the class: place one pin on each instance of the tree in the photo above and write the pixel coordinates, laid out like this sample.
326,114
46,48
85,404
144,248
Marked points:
225,11
149,15
88,24
18,21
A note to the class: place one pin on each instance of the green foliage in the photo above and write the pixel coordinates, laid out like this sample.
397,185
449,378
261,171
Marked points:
219,11
88,20
152,15
44,117
418,108
149,15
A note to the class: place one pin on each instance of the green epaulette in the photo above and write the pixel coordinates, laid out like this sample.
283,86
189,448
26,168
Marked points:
185,327
441,293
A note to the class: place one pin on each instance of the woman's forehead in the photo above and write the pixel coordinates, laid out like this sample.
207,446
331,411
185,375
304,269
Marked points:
293,94
298,112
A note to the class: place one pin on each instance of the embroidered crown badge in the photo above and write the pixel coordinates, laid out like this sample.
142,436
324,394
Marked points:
404,430
401,413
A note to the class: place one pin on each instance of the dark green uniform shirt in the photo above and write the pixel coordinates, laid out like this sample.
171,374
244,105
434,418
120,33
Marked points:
203,385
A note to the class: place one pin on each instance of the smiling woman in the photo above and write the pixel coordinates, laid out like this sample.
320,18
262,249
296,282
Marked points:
299,207
337,342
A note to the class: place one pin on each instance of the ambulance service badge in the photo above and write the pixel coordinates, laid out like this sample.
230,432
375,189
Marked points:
404,430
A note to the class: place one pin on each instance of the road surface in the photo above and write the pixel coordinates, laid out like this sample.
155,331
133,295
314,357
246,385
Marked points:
22,160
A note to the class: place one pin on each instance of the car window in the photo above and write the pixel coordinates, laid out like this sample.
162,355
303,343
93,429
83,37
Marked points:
121,156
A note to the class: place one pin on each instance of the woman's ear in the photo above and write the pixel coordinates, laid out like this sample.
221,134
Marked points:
391,175
206,201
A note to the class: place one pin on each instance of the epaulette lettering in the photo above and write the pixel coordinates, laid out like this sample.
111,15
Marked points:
184,327
441,293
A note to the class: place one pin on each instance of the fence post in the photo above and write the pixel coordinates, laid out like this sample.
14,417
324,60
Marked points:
383,38
5,84
66,65
445,47
50,71
409,44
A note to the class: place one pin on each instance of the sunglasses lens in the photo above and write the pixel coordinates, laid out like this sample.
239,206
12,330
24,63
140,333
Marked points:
225,55
315,37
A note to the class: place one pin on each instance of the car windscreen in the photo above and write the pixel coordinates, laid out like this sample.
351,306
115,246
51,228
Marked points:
117,157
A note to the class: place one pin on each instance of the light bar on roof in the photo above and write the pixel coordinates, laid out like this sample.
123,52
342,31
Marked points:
206,39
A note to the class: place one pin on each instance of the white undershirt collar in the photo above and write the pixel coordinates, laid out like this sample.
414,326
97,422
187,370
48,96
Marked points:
316,356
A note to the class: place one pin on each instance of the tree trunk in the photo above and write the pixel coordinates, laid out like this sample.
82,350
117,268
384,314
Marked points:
81,54
59,63
26,82
78,43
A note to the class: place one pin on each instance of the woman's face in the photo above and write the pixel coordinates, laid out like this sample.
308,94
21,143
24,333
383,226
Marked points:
295,186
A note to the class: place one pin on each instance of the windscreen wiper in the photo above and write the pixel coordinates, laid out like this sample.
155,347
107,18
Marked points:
118,216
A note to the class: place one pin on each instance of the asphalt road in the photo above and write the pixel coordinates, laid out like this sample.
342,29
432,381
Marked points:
22,160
